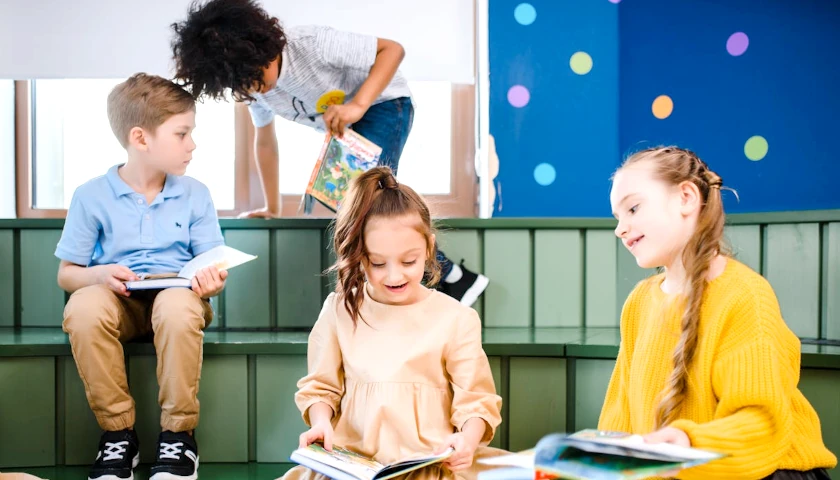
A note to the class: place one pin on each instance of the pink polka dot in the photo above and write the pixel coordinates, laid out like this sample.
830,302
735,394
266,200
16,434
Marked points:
737,44
518,96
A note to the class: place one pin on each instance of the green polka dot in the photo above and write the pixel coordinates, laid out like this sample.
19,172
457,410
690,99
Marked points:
756,148
581,63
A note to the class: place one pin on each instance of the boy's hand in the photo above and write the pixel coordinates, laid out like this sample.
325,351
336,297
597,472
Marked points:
338,116
464,451
263,212
208,282
114,275
319,431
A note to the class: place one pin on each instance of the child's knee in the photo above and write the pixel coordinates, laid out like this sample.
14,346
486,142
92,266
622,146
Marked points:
180,309
90,308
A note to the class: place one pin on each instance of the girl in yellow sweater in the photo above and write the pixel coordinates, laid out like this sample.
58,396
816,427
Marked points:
706,359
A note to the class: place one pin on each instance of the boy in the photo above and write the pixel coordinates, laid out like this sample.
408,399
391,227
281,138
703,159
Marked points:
313,75
142,217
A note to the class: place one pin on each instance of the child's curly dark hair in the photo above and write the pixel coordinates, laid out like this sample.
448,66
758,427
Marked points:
225,44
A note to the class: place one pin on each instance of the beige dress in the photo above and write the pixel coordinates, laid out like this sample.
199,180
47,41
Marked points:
404,380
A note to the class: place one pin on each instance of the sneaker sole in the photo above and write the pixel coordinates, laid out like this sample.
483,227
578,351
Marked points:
134,462
172,476
475,291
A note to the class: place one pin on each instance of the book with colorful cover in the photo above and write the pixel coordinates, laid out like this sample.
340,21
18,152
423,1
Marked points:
596,455
341,160
343,464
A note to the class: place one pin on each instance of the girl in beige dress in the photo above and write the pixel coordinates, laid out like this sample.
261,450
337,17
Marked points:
396,370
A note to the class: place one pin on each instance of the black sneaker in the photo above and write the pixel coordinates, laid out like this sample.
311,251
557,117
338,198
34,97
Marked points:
119,453
177,457
468,288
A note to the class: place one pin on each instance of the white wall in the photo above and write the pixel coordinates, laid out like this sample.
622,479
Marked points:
116,38
7,149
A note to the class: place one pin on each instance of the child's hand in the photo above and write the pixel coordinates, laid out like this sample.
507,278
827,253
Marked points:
319,431
669,435
338,116
464,451
208,282
114,275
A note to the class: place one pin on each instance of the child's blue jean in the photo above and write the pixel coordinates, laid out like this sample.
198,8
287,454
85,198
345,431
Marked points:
388,124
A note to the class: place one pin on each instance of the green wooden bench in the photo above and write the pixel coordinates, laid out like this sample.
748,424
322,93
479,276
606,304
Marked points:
550,316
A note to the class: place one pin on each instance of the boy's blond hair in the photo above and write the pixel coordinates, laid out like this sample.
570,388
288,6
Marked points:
145,101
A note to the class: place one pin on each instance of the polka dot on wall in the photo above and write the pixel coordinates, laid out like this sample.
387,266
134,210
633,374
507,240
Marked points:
756,148
545,174
518,96
737,44
662,107
525,13
581,63
615,1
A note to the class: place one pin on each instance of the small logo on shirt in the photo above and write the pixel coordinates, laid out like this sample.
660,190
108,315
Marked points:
177,224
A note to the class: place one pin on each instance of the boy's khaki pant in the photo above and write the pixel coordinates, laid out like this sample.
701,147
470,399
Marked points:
99,320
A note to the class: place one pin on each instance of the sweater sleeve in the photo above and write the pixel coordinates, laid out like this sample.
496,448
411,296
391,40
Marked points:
615,413
754,379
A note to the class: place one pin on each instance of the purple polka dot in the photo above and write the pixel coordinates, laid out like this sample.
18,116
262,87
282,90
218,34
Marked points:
518,96
737,44
614,1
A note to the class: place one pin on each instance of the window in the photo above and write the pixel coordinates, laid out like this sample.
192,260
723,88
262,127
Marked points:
73,142
63,139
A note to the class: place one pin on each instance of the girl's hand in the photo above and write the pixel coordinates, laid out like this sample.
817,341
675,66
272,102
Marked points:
319,431
464,451
669,435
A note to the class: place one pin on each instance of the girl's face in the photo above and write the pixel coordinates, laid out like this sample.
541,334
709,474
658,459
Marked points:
396,259
655,220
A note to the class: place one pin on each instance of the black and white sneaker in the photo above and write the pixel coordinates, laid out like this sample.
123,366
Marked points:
177,457
466,289
119,454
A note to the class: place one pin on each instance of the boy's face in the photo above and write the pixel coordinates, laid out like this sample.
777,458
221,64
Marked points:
170,148
270,75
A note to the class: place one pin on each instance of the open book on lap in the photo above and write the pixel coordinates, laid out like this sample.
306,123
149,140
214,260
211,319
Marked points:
596,455
342,464
223,257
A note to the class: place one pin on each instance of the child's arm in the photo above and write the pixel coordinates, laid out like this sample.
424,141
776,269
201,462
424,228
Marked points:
615,413
323,386
389,55
474,392
72,277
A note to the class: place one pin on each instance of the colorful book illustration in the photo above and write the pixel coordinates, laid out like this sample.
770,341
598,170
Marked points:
341,160
343,464
223,257
596,455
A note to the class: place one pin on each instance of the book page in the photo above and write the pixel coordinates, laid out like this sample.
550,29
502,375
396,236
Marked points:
223,257
635,445
357,465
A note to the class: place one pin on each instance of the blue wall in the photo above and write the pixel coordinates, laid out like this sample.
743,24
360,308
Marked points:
785,87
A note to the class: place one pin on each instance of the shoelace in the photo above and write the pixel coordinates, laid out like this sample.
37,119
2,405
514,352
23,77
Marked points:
170,450
114,450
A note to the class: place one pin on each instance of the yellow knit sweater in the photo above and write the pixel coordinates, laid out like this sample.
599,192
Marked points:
742,396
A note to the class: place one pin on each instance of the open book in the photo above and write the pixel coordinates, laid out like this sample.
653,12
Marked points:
341,160
342,464
596,455
223,257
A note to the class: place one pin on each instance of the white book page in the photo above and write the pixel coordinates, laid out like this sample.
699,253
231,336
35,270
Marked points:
355,467
223,257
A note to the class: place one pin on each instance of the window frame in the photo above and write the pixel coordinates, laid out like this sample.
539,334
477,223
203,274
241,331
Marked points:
462,201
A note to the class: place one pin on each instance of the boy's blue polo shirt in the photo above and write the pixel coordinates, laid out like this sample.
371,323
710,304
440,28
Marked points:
108,222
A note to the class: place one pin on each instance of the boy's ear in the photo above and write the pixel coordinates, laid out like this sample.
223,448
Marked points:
137,138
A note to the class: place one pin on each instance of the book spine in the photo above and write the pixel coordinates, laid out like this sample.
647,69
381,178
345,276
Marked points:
318,162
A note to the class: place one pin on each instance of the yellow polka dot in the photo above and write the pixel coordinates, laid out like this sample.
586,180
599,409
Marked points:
662,107
581,63
333,97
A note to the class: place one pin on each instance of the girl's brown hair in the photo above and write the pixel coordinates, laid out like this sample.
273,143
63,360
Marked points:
674,166
375,193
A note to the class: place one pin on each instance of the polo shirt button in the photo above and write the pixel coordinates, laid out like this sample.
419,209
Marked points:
139,200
